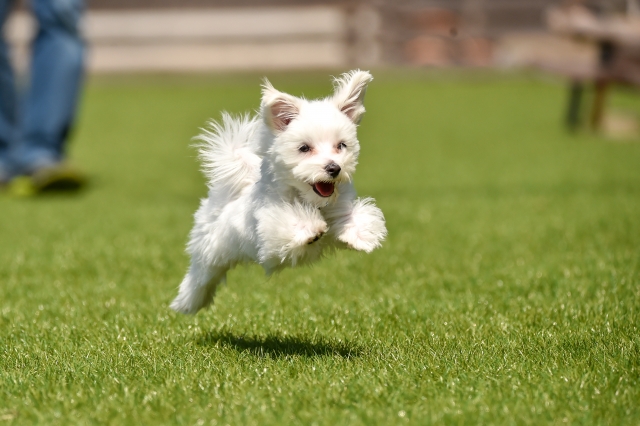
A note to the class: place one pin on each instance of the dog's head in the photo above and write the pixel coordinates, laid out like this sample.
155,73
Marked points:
315,146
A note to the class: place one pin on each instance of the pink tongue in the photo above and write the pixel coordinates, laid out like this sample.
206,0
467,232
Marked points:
324,188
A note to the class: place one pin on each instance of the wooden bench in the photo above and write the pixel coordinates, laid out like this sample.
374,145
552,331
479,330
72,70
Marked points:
618,42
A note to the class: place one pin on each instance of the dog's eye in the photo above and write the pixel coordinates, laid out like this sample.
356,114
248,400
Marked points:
341,146
304,148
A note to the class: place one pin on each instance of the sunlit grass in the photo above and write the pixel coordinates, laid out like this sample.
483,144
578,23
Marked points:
508,290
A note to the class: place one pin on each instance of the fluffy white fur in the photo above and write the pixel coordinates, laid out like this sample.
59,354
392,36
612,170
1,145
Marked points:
280,188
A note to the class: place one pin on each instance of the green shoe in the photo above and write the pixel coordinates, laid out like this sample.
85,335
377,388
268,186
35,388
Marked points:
57,178
21,186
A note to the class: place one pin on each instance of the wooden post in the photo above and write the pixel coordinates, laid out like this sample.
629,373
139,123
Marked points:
599,99
607,55
575,100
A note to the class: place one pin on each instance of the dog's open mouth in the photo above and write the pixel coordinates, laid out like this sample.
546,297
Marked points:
323,189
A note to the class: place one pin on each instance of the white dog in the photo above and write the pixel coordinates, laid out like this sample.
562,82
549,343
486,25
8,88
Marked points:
280,188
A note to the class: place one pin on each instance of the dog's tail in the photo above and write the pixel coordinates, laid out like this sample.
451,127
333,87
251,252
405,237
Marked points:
228,157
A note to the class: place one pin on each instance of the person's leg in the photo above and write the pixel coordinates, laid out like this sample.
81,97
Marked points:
55,82
8,100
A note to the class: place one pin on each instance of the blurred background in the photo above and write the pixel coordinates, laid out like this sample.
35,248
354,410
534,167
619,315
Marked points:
587,41
205,35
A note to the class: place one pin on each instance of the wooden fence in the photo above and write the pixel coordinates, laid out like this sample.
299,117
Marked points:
204,35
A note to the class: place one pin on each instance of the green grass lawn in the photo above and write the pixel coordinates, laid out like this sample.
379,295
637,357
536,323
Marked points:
508,290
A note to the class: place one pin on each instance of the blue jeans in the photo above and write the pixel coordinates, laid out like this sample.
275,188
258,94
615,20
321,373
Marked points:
34,135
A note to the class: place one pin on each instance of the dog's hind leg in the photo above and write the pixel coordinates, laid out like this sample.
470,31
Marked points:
198,288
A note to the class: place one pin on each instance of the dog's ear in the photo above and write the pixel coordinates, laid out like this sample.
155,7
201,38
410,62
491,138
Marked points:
350,89
278,109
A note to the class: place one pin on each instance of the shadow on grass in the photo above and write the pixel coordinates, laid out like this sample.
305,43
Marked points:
281,346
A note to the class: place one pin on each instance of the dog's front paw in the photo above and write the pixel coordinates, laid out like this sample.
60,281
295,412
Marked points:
302,248
310,233
289,233
316,237
366,229
362,240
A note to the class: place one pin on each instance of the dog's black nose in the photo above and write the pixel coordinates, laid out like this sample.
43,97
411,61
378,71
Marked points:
333,169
